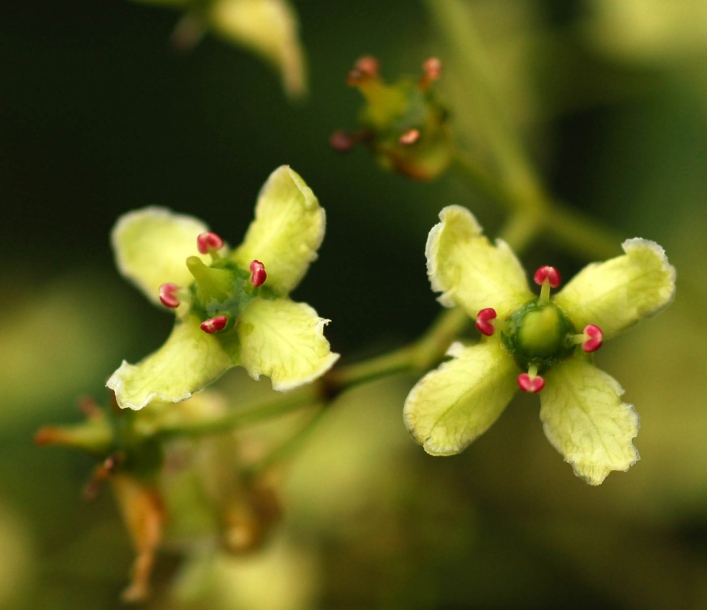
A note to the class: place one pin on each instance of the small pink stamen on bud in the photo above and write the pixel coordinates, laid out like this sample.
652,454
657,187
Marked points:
342,141
409,137
549,274
366,68
483,323
208,241
432,70
168,295
214,325
257,273
595,338
532,384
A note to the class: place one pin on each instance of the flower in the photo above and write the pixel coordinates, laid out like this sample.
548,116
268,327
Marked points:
268,28
404,124
549,338
232,307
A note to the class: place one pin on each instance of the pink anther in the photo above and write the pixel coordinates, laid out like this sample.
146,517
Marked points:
342,141
409,137
549,274
168,295
596,337
483,323
208,241
213,325
432,68
530,384
257,273
365,69
368,65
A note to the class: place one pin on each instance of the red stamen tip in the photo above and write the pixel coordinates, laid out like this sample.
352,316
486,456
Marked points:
257,273
432,68
549,274
214,325
342,141
530,384
409,137
483,324
365,69
368,65
168,295
208,241
596,337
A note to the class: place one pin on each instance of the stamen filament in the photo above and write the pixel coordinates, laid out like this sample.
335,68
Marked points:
547,277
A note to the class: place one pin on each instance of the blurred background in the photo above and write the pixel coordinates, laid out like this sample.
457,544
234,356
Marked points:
99,114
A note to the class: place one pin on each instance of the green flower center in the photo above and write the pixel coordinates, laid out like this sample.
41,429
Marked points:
538,334
221,289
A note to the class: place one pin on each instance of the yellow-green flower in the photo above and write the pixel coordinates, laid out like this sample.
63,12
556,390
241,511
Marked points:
232,307
404,124
267,28
548,340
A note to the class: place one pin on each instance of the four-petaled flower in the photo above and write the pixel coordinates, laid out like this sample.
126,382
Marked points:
232,307
547,339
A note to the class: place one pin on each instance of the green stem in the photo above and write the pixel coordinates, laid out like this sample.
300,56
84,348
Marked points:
291,445
416,357
518,188
520,230
274,407
533,215
454,21
579,233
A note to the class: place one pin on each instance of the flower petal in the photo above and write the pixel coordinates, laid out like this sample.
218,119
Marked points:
189,360
287,230
151,246
619,292
454,404
585,420
285,341
469,270
268,28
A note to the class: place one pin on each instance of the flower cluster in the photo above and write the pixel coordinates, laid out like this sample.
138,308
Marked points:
538,343
404,124
232,306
